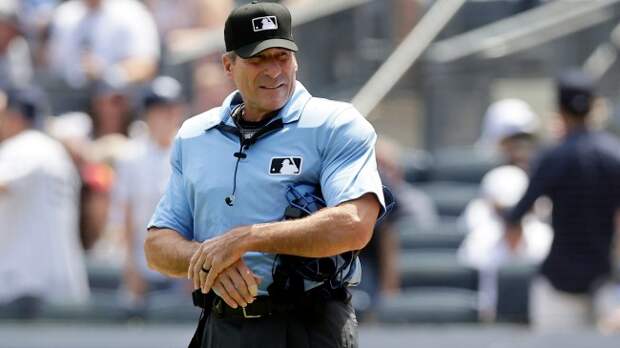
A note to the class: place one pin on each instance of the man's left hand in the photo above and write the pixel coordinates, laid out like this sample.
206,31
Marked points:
215,255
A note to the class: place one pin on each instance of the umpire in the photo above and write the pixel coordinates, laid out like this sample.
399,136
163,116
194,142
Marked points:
266,282
581,177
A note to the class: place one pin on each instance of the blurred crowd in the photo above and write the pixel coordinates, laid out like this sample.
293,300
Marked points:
87,118
555,185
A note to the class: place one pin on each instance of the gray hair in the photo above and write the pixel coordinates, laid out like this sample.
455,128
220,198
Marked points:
231,55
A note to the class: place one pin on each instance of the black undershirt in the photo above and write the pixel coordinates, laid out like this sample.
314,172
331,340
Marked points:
249,128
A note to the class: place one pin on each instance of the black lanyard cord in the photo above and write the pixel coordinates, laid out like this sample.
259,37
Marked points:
245,143
230,200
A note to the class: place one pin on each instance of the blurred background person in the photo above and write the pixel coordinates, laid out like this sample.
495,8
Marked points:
380,257
182,22
209,83
16,69
509,132
580,176
484,247
91,40
112,110
74,131
184,26
34,18
105,242
141,179
609,322
41,257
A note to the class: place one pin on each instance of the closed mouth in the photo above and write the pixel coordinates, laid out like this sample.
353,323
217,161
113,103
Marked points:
274,87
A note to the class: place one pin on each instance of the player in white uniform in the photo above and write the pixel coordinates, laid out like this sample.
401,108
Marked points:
41,258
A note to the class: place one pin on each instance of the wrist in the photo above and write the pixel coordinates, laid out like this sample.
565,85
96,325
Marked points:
247,238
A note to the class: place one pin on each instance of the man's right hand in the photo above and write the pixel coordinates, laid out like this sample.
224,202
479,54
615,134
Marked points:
237,285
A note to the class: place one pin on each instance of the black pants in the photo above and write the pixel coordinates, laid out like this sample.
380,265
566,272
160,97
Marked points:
330,324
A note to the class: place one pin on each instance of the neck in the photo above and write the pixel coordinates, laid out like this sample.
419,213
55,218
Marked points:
253,115
162,140
11,131
164,144
574,124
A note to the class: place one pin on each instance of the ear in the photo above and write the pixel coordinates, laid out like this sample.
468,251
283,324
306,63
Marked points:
296,66
227,62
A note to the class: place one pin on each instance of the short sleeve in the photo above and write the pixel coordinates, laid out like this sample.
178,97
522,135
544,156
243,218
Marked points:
16,171
173,210
349,167
142,34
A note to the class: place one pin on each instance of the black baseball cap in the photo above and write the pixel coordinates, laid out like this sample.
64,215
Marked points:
257,26
576,90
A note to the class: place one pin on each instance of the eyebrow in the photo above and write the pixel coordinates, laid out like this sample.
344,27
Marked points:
264,55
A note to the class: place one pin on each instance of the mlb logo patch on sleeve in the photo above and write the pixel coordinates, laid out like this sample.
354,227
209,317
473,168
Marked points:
265,23
290,165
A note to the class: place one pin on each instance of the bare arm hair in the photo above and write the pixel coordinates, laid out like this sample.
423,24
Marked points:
328,232
168,252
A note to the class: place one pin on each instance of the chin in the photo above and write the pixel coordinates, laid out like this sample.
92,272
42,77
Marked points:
276,102
275,106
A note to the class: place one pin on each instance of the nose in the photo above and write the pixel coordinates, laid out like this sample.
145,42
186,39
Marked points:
272,69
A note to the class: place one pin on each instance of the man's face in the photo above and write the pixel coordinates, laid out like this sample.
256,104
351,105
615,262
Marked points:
111,112
164,120
518,150
265,81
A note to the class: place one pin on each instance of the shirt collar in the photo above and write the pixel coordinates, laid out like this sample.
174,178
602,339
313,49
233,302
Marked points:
291,112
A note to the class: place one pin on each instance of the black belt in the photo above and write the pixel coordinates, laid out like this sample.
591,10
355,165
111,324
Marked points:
263,306
266,305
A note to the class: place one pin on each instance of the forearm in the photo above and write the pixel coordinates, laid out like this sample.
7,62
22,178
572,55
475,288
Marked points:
137,69
538,185
133,279
168,252
328,232
128,235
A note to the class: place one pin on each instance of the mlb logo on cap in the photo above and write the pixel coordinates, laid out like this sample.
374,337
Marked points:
265,23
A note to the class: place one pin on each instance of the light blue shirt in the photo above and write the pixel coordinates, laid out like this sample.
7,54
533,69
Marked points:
321,142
